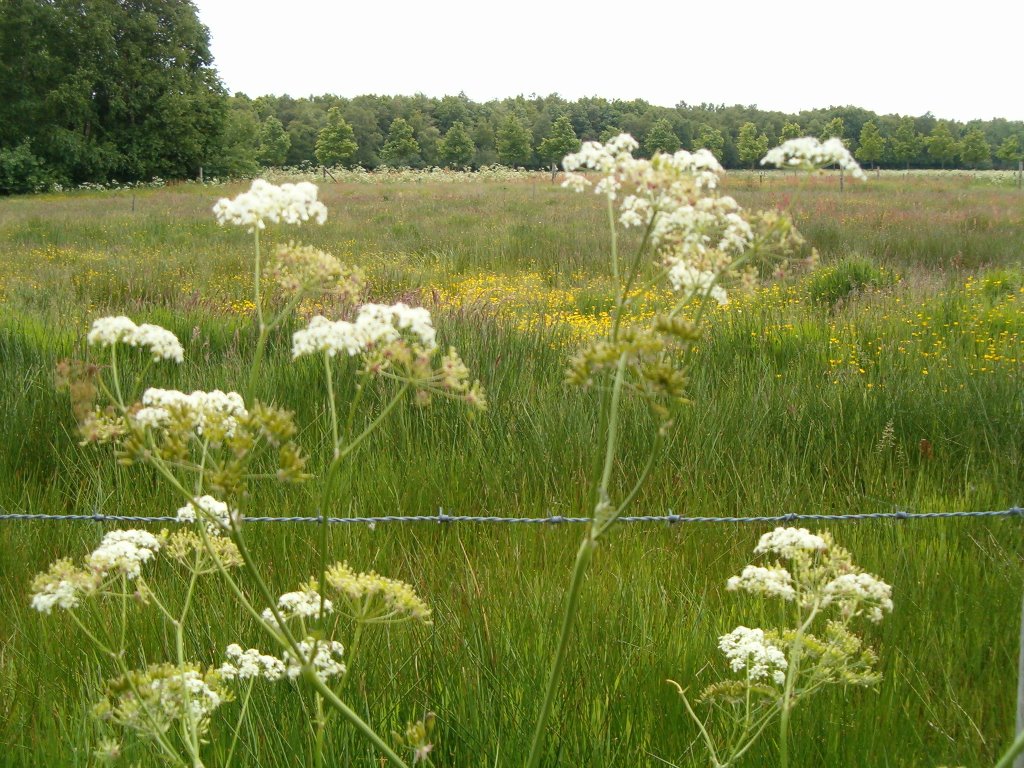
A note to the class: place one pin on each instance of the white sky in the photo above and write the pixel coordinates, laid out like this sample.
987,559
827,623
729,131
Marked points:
959,61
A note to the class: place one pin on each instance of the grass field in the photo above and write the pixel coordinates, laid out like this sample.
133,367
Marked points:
892,378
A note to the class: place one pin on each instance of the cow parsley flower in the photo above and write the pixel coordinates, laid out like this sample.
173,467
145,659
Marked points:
246,665
266,202
161,343
326,663
375,325
771,582
788,543
809,153
216,514
62,586
150,700
206,412
748,649
859,593
331,336
124,552
302,604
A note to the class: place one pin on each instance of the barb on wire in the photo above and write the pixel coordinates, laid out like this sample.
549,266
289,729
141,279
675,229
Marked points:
443,517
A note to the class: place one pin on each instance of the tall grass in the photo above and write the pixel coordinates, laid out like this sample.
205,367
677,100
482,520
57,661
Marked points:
783,420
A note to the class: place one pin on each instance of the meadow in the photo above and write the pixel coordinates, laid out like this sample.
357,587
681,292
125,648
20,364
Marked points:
892,378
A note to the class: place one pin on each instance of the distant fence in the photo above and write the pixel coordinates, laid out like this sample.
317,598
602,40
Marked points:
443,517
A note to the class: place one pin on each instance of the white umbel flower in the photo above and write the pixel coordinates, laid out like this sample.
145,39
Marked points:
860,593
747,649
809,153
327,661
771,582
266,202
161,343
790,542
303,604
214,410
123,551
246,665
216,513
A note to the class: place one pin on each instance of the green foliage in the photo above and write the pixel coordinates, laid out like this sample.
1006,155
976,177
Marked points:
401,148
906,143
109,89
871,146
336,144
790,131
661,138
456,149
750,146
22,171
1010,151
240,141
561,141
512,142
941,144
841,281
711,139
835,128
975,149
274,143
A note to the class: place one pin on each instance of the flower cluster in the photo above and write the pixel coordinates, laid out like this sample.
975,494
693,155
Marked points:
808,153
246,665
697,236
123,552
62,586
373,598
266,202
306,603
375,325
216,514
162,344
820,575
213,414
323,655
749,649
151,700
304,270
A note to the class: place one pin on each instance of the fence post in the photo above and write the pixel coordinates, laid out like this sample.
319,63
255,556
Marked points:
1018,762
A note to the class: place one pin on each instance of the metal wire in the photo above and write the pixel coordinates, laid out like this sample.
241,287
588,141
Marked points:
442,517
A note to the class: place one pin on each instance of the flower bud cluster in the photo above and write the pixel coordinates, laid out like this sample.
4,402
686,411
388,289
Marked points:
162,344
305,270
151,700
266,202
371,597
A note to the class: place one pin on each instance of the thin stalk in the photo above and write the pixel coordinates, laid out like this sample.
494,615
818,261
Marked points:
659,440
1006,761
238,725
583,558
321,730
116,376
332,698
700,726
787,694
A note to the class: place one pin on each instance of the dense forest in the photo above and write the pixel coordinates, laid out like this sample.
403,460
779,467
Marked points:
126,90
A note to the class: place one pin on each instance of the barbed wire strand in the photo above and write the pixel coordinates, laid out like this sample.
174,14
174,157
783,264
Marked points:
443,517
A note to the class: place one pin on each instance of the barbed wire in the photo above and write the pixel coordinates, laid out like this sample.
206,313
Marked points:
443,517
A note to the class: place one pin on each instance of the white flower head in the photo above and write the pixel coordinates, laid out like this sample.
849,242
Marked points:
809,153
303,604
326,663
771,582
266,202
216,514
747,649
162,344
860,593
124,552
790,542
214,412
253,663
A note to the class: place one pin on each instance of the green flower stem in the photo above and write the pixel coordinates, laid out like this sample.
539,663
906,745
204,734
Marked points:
116,377
792,673
321,731
256,280
659,441
583,558
238,725
1006,761
613,427
310,675
708,741
330,401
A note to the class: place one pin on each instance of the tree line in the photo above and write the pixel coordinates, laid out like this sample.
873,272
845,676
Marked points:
125,90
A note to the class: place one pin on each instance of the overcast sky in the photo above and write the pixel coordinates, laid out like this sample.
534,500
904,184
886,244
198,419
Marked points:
960,61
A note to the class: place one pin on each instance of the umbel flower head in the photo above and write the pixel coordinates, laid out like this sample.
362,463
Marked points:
372,598
750,651
305,270
809,154
162,344
266,202
246,665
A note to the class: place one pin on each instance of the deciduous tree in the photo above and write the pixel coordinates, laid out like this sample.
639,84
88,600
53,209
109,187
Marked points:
336,144
872,144
456,149
661,138
401,148
750,146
